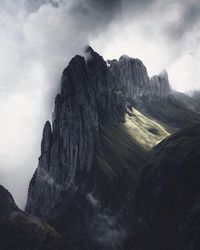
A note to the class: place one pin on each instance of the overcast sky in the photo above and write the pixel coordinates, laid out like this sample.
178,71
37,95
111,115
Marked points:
37,40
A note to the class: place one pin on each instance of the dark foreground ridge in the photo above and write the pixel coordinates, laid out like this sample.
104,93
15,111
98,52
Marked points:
21,231
107,118
168,197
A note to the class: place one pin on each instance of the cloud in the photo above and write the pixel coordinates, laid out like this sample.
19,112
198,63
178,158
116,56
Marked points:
37,41
164,34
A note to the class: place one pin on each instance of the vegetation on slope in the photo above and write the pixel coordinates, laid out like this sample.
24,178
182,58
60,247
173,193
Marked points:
168,197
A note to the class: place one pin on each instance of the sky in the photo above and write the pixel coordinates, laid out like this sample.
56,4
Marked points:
39,37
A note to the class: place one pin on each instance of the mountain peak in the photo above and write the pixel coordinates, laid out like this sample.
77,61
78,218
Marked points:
130,59
160,84
88,49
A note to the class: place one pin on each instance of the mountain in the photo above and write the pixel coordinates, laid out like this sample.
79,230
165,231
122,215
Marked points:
132,74
168,195
154,96
20,231
99,140
175,111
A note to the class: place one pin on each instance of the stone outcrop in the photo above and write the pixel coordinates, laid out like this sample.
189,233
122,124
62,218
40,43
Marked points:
133,76
159,85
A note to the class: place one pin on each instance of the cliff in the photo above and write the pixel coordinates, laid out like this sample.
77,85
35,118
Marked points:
92,154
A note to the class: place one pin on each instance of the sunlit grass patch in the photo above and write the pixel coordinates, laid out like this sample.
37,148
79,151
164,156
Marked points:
144,130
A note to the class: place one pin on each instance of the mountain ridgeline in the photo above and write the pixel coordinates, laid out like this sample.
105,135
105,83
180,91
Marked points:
107,117
108,161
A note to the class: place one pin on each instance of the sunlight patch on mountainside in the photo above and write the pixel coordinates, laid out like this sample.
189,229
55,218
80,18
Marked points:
144,130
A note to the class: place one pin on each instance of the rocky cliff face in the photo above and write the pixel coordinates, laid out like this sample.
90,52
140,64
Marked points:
133,76
88,93
159,86
154,96
92,154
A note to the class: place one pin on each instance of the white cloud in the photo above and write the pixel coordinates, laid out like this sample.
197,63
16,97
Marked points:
34,49
151,36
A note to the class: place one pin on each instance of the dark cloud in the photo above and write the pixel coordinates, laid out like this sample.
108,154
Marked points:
189,18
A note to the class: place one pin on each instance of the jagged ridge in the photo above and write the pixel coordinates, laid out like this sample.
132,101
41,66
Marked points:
91,157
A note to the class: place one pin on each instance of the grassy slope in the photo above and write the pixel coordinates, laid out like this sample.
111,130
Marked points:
175,113
125,145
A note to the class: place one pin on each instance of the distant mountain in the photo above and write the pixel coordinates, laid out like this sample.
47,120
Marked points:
168,196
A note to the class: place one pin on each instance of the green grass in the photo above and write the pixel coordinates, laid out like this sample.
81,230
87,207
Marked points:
125,146
144,130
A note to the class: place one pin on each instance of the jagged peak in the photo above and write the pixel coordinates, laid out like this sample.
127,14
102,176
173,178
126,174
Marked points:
76,60
164,73
131,59
124,57
92,56
88,49
46,137
47,126
7,202
160,83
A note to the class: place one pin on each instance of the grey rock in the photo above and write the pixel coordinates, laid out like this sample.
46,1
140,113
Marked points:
89,164
160,86
133,76
88,93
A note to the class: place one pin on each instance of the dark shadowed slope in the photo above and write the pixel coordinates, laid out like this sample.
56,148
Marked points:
175,111
168,200
21,231
196,97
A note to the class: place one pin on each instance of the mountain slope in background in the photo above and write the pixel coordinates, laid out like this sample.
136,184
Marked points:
100,137
196,96
154,96
175,111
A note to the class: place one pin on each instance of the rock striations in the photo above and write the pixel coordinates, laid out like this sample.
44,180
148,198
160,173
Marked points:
132,74
90,159
159,85
87,94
